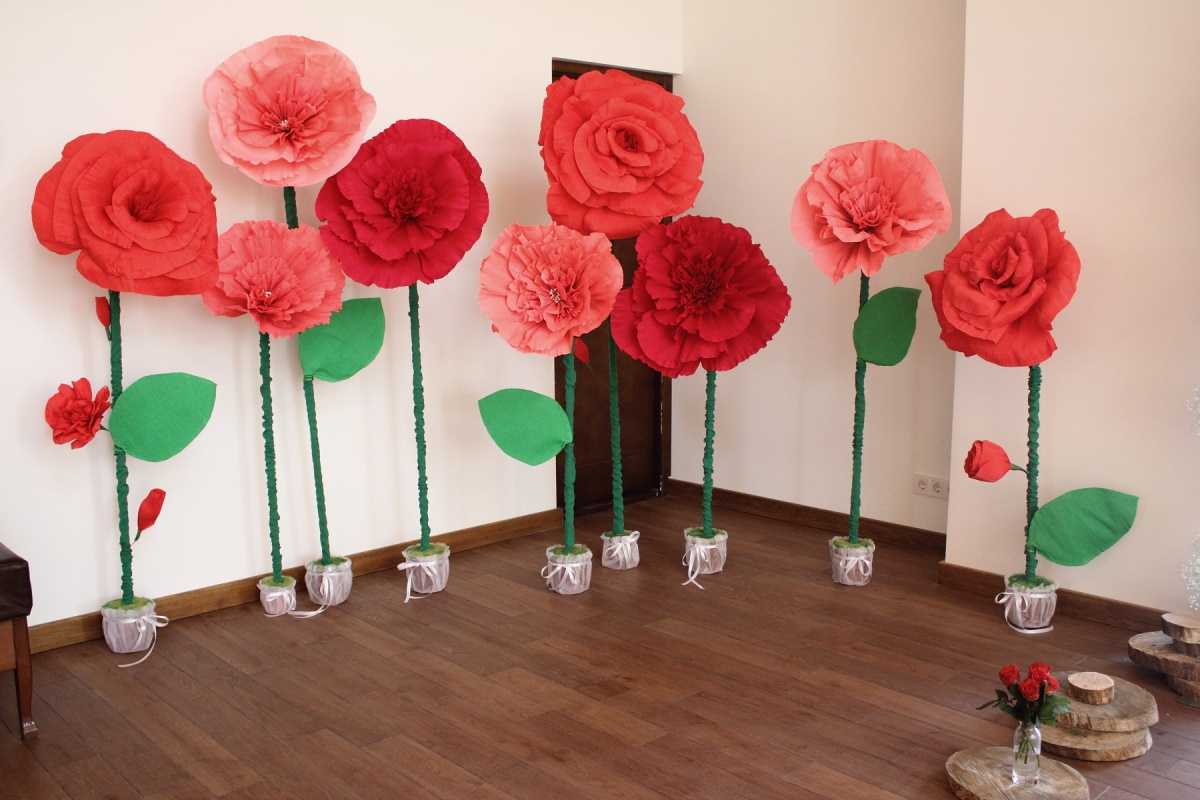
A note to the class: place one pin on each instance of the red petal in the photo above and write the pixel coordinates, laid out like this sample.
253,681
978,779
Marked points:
581,351
149,509
102,311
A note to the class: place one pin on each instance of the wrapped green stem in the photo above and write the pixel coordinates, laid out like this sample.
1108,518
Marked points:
860,417
268,429
614,434
418,390
314,445
710,435
1031,468
569,456
122,471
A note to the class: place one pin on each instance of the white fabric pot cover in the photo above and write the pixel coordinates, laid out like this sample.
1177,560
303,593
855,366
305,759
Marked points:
131,630
328,584
427,573
277,600
704,556
1029,609
568,574
852,566
620,552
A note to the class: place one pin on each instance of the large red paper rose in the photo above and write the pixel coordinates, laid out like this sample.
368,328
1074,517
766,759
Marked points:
143,219
703,293
407,207
619,152
1001,287
74,415
866,201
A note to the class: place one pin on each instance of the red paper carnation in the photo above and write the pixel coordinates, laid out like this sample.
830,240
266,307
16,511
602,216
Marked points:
283,277
703,293
407,208
143,219
74,415
619,152
1001,287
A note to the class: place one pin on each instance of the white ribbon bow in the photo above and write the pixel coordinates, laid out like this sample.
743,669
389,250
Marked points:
859,563
692,559
1020,603
621,547
573,576
152,623
425,566
288,592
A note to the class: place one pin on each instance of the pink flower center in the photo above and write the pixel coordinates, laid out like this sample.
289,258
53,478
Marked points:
869,204
288,115
407,195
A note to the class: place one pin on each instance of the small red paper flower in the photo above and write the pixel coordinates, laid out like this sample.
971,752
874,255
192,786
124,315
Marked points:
143,219
74,415
1031,689
1010,674
543,286
149,510
986,461
407,208
619,152
1039,670
1001,287
283,277
866,201
703,293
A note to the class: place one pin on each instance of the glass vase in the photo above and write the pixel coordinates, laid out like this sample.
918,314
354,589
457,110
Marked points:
1027,754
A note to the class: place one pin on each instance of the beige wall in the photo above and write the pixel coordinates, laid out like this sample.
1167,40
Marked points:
1092,109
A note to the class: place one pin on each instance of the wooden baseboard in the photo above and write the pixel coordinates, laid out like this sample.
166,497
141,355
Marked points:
85,627
1116,613
808,517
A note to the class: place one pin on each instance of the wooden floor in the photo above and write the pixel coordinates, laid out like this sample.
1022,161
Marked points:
770,683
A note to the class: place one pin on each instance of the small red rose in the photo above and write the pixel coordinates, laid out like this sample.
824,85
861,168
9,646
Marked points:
1052,684
1040,670
1010,674
74,415
1031,689
986,461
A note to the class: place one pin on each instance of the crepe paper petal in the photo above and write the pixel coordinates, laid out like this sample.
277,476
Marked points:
885,326
581,351
527,426
350,341
149,510
103,313
159,415
1075,527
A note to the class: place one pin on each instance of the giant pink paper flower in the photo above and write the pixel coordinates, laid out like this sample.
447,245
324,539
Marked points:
866,201
543,286
287,111
283,277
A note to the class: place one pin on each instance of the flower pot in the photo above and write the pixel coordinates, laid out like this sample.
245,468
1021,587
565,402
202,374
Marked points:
620,552
329,584
568,573
428,570
277,600
131,629
703,555
1028,608
852,563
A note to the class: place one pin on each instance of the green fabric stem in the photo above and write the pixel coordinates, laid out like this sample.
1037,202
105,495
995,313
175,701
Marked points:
289,207
860,417
268,429
1031,468
122,471
614,434
418,390
314,445
710,435
569,451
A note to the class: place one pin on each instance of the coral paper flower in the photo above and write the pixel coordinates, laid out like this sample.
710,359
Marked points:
287,111
407,208
74,415
1001,287
986,461
619,152
283,277
143,219
703,293
867,201
542,286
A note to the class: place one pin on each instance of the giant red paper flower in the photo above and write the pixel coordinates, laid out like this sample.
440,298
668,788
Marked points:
703,293
74,415
283,277
142,218
619,152
407,208
542,286
287,111
1001,287
866,201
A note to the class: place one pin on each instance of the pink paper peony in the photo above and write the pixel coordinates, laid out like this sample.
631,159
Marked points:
544,285
287,111
867,201
283,277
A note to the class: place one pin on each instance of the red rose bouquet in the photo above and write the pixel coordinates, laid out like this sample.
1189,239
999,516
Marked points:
1032,701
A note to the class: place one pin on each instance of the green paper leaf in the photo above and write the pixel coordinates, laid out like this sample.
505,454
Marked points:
159,415
1075,527
351,340
885,326
528,426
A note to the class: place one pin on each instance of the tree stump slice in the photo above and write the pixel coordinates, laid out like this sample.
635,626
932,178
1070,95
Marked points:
1132,709
1188,691
985,773
1156,651
1095,745
1092,688
1182,627
1185,648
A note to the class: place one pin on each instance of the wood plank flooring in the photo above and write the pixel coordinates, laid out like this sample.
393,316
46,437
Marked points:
770,683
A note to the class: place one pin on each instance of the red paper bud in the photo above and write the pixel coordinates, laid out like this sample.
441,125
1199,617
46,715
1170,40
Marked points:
581,351
149,510
103,313
987,461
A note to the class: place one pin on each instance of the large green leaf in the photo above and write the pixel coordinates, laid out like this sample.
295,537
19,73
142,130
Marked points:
1075,527
528,426
348,343
159,415
885,326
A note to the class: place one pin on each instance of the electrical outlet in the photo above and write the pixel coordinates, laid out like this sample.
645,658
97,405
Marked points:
930,486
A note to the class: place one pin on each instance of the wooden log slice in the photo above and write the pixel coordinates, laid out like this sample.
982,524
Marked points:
1095,745
1092,688
1182,627
1155,651
1186,649
985,773
1132,709
1188,691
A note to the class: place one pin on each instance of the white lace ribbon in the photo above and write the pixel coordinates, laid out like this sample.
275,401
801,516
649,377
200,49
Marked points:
427,567
572,574
859,563
151,622
693,559
1020,603
620,547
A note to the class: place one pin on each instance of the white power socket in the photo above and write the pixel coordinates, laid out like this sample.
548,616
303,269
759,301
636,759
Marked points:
930,486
